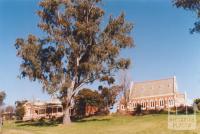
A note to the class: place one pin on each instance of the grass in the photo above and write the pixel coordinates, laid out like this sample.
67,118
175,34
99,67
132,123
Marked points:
149,124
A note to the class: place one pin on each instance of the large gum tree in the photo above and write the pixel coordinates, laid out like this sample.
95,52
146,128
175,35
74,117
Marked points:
190,5
76,48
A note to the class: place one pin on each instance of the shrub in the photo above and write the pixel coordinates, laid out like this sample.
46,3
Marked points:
182,109
138,110
155,111
197,102
20,111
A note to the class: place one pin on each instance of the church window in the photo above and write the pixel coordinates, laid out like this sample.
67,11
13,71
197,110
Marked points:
152,104
161,102
171,102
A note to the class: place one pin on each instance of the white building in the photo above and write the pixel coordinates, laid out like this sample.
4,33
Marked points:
42,109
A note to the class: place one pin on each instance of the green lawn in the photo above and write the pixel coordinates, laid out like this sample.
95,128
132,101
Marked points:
149,124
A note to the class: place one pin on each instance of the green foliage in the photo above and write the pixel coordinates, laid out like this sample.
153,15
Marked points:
103,100
86,97
75,49
109,79
182,110
192,5
108,96
197,102
20,110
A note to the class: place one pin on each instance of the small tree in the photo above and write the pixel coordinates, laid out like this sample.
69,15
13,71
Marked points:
108,96
76,50
86,97
125,87
20,110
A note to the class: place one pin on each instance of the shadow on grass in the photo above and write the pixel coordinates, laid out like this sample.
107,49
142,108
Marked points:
53,123
39,123
91,120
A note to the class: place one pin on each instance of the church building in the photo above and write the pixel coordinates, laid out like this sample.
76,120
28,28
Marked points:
154,95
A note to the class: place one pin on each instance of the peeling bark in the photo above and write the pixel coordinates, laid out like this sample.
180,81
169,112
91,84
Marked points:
66,115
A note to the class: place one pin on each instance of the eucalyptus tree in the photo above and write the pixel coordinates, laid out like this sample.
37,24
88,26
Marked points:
190,5
78,47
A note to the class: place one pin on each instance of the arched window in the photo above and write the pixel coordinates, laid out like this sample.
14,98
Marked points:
161,102
143,104
152,104
171,102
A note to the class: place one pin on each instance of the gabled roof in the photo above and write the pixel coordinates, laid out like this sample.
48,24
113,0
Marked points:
153,88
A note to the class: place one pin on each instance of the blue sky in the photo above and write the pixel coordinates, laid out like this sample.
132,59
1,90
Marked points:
164,46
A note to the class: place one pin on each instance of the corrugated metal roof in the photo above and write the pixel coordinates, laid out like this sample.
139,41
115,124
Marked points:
153,88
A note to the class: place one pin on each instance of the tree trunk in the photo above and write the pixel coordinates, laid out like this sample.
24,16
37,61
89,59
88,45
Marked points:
66,115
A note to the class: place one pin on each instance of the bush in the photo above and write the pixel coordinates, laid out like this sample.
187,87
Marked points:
41,120
155,111
138,110
20,111
146,112
182,109
163,111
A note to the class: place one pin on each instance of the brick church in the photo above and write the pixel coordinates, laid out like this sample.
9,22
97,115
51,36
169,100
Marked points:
154,95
